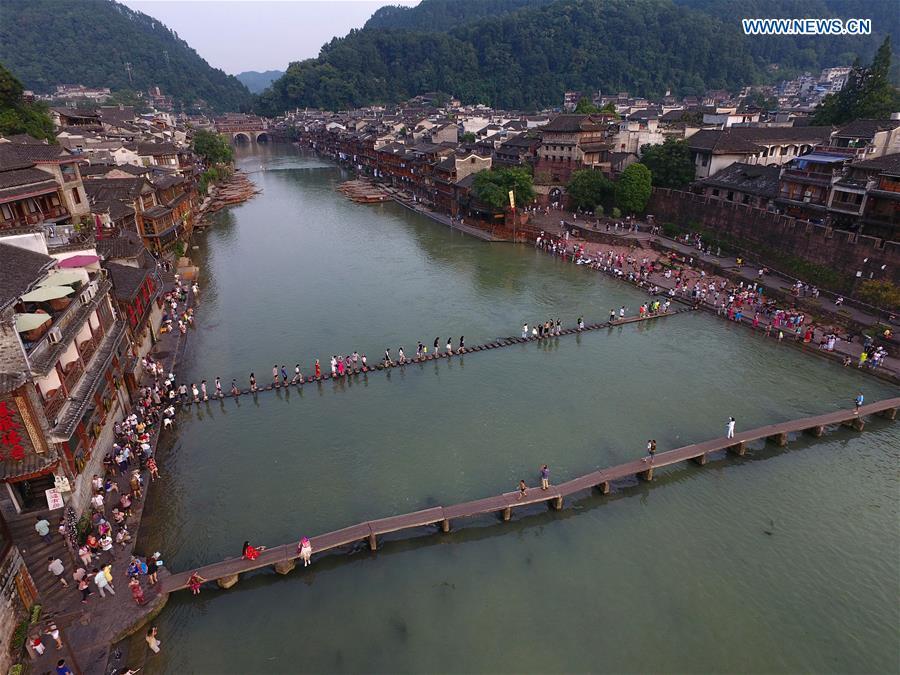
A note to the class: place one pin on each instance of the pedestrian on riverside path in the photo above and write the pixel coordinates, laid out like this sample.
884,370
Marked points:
37,645
545,477
304,549
53,632
858,403
136,591
85,587
62,668
153,566
42,527
194,582
104,580
729,430
253,382
523,489
56,567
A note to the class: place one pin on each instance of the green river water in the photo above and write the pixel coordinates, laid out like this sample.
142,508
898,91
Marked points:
783,561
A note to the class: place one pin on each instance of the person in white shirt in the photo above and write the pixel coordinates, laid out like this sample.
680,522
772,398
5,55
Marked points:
729,431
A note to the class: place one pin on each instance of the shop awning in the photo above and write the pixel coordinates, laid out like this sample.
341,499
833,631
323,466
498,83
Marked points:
27,322
45,293
79,261
62,278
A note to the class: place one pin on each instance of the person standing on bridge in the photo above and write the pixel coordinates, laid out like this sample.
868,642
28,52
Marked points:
194,582
612,315
304,549
858,403
622,312
580,323
545,477
523,489
651,451
729,430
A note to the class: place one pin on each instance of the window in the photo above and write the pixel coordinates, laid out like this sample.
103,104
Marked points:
32,207
7,212
75,196
704,160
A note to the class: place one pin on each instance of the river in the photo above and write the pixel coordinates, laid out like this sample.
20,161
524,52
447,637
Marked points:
782,561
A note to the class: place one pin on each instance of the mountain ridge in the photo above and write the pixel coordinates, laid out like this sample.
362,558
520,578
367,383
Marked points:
45,43
528,52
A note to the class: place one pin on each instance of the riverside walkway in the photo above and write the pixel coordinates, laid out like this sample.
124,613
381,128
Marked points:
282,558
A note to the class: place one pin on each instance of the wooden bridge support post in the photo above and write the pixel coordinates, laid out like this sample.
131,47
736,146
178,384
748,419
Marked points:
285,566
780,440
739,449
701,459
889,414
816,431
604,487
856,422
507,513
228,581
373,542
556,503
646,475
445,525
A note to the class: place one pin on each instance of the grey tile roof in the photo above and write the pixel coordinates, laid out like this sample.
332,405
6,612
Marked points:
126,279
749,178
887,163
22,269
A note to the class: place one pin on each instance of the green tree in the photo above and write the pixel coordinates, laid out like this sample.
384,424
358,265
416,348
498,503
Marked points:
468,137
19,117
882,294
492,186
669,163
585,107
633,188
212,147
868,93
588,188
609,109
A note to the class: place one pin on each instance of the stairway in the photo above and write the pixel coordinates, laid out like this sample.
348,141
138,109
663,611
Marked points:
35,551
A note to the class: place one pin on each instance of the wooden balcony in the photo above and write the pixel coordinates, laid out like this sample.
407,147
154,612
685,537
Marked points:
72,373
53,402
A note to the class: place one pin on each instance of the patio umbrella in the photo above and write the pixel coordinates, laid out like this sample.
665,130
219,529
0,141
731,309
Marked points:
62,278
27,322
79,261
44,293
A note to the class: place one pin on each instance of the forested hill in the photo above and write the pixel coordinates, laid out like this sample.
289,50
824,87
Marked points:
442,15
49,42
526,53
257,81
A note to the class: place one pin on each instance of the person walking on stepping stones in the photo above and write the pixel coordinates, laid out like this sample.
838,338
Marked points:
275,375
462,344
580,323
284,375
234,388
449,346
318,370
252,382
218,387
437,341
524,330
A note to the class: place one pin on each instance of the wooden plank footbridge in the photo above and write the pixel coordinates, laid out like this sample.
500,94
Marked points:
282,558
496,344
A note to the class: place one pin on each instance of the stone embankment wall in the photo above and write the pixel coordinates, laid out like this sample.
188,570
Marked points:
840,250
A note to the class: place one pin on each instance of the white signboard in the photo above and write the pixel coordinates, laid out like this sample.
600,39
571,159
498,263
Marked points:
54,499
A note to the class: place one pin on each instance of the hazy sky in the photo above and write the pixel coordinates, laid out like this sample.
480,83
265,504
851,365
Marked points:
238,35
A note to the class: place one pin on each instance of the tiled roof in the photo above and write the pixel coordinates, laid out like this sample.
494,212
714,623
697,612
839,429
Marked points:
106,189
749,139
156,149
127,245
127,280
886,163
866,128
753,179
115,208
572,124
27,154
29,176
22,269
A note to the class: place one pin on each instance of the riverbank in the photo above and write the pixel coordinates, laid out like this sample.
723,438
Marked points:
235,189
